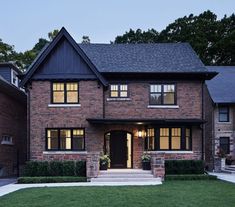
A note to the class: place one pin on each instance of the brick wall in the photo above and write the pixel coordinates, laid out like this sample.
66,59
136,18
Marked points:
13,123
91,99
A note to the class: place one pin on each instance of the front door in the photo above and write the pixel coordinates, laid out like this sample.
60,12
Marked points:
118,149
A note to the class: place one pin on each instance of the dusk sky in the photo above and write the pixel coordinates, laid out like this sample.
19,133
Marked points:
23,22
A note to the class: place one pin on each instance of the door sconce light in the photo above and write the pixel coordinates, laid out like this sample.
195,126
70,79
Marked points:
141,133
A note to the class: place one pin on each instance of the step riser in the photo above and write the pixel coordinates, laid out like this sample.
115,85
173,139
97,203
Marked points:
125,180
125,176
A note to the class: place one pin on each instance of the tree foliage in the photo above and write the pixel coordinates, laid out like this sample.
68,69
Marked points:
85,40
212,39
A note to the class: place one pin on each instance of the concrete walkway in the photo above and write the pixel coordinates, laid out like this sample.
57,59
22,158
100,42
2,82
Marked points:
225,176
14,187
6,181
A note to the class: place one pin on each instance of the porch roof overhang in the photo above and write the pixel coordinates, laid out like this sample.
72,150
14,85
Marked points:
147,121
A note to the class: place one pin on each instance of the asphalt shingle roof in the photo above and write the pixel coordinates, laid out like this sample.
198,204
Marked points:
222,86
158,57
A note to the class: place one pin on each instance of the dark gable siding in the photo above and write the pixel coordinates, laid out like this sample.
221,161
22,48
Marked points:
5,72
63,63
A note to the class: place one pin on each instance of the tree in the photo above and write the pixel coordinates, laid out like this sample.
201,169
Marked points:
51,35
212,39
7,52
85,40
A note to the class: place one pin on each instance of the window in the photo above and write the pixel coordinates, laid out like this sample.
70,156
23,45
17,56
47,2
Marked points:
224,144
150,139
119,91
65,93
65,139
223,114
6,139
162,94
14,78
173,138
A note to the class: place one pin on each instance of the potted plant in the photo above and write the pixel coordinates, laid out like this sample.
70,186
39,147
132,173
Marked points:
146,159
104,162
221,154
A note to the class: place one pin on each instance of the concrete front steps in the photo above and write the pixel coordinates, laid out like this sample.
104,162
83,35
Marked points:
229,169
127,177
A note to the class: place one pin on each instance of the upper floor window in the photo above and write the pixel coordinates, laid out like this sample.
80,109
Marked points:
7,139
14,78
65,93
223,114
65,139
119,91
162,94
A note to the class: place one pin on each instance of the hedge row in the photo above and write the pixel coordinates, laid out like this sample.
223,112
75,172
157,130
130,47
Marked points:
63,179
55,168
190,177
177,167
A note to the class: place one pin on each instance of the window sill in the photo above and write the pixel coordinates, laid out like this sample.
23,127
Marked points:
175,152
63,152
118,99
63,105
163,106
6,143
224,122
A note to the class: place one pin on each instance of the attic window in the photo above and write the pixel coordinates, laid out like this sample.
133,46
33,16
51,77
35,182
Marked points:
14,78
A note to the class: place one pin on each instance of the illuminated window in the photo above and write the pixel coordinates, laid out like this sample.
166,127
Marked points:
65,93
162,94
164,138
175,138
118,90
150,139
65,139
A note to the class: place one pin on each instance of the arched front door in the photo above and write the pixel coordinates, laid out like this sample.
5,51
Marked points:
118,145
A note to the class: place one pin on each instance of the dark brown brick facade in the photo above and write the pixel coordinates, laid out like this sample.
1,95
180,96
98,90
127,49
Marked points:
12,123
91,99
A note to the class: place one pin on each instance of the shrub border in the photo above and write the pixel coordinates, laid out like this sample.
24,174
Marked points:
191,177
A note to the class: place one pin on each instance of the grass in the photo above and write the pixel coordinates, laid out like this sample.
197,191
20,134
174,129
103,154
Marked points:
171,193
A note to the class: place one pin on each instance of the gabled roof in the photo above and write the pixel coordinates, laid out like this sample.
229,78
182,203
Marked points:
48,48
222,87
144,58
11,65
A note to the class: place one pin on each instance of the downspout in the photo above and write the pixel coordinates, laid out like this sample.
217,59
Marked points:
213,135
203,131
28,123
103,102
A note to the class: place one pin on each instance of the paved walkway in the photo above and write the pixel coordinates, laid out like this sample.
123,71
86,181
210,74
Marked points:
14,187
225,176
6,181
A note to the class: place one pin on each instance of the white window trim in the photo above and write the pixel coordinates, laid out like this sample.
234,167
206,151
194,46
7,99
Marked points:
17,79
175,152
163,106
63,105
118,99
64,152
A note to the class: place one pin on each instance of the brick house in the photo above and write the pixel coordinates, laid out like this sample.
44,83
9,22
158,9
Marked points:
13,121
222,112
120,100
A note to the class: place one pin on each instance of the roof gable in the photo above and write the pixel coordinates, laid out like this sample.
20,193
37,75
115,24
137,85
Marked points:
62,58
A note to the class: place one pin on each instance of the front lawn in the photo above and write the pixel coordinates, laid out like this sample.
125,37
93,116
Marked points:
171,193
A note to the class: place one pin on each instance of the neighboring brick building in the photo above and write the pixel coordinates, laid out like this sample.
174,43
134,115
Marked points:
222,112
121,100
13,121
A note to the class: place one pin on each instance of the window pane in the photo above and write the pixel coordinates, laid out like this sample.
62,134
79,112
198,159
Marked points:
169,98
175,138
169,88
72,97
155,88
123,87
78,139
123,94
164,138
58,86
52,139
187,139
223,117
114,94
72,86
58,97
155,99
65,139
114,87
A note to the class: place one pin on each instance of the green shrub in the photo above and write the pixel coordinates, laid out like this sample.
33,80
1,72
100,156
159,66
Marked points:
55,168
177,167
80,168
190,177
68,168
64,179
